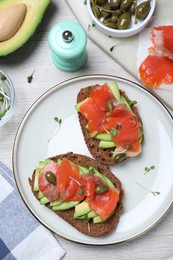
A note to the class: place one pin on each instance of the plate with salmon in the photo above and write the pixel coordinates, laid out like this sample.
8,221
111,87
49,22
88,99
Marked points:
89,140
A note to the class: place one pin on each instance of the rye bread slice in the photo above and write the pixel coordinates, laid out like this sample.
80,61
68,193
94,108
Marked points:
91,229
103,156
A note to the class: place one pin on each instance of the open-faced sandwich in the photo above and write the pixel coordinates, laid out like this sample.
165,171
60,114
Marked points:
81,191
110,122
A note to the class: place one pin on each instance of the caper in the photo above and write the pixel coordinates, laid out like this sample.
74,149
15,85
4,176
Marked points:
106,20
105,11
120,157
124,21
143,10
100,189
114,18
96,11
115,4
111,25
132,8
126,4
50,177
100,2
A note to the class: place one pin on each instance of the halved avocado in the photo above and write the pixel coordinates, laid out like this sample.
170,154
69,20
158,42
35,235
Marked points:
34,15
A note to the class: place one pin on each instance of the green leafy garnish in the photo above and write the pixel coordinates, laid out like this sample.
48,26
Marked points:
155,193
91,171
85,2
112,48
59,121
112,132
80,192
30,78
3,77
118,127
129,147
134,102
91,26
147,169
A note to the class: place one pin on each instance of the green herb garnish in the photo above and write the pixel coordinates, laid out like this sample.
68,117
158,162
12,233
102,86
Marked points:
91,171
118,127
134,102
147,169
155,193
112,132
30,78
112,48
129,147
59,121
3,77
80,192
85,2
91,26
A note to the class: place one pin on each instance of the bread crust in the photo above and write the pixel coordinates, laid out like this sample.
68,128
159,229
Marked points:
91,229
104,156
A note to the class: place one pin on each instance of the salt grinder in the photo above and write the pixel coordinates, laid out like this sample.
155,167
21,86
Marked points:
67,41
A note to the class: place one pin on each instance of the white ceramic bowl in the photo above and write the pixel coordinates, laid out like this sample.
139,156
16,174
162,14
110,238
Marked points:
8,88
133,28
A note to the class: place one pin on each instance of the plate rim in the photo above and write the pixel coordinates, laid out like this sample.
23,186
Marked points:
19,131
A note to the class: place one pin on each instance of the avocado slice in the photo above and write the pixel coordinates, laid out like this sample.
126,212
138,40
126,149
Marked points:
91,214
104,137
115,90
66,205
106,144
34,15
82,209
44,201
97,219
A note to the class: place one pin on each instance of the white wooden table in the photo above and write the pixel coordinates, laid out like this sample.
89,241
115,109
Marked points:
35,55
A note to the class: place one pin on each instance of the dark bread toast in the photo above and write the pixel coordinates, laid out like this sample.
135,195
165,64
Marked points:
103,156
91,229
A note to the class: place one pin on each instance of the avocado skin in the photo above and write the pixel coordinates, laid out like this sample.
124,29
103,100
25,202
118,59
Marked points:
34,15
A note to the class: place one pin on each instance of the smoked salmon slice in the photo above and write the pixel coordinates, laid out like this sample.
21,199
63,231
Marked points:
157,68
162,39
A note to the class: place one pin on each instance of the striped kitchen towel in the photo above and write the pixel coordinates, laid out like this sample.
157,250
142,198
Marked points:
21,235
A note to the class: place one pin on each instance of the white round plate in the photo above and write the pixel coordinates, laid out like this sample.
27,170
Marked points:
142,208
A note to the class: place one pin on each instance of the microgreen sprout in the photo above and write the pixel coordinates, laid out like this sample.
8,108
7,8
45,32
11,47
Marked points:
59,122
30,78
91,171
112,48
112,132
134,102
80,192
147,169
91,26
118,127
155,193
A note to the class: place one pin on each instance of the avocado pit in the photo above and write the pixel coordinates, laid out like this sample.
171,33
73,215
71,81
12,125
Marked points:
11,19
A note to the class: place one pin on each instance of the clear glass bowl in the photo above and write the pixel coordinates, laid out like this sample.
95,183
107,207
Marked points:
7,93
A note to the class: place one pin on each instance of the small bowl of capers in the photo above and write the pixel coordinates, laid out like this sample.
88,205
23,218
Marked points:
121,18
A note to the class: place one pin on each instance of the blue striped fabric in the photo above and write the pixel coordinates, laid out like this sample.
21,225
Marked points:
17,223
